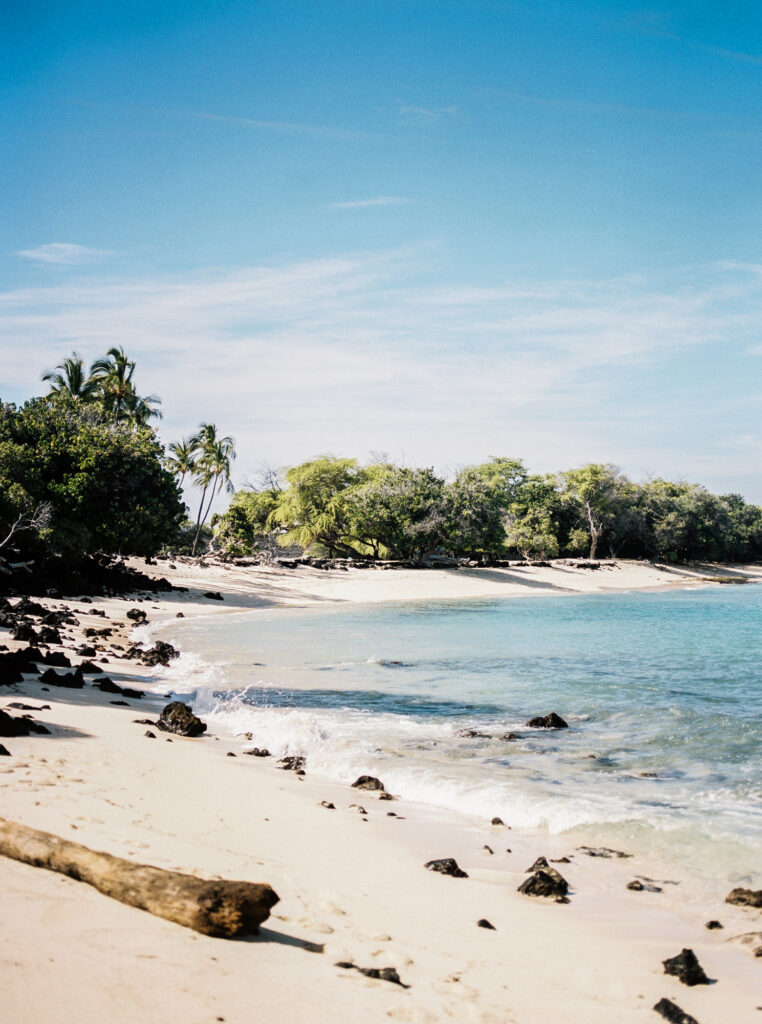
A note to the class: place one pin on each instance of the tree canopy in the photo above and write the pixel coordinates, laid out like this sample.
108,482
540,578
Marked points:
105,487
493,510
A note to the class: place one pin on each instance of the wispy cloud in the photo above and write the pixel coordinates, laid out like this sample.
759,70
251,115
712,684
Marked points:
286,127
361,204
65,254
411,112
367,352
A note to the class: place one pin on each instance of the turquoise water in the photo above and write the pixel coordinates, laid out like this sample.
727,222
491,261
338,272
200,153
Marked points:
662,693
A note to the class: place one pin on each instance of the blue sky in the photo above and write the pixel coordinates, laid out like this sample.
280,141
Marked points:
442,230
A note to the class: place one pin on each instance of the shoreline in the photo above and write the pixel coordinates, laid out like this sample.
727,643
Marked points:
356,887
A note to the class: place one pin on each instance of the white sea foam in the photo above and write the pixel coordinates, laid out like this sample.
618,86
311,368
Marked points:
654,746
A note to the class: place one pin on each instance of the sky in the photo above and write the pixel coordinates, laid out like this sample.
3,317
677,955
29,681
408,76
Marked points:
437,229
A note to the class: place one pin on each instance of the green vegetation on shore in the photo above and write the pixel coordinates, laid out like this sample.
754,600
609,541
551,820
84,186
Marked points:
493,510
82,471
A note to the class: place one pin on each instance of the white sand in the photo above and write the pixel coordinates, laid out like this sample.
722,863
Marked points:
351,889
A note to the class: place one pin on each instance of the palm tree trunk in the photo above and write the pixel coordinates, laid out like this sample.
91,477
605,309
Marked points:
211,499
198,520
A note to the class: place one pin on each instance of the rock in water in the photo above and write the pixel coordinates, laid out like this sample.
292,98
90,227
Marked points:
745,897
368,782
686,967
178,718
446,866
551,721
547,882
671,1012
292,763
160,654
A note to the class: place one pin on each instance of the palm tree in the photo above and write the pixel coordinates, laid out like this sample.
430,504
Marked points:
113,378
181,461
69,378
212,468
139,410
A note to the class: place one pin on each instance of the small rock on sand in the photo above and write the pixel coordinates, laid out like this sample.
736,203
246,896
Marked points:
713,925
178,718
686,968
380,973
368,782
547,882
745,897
484,923
671,1012
446,866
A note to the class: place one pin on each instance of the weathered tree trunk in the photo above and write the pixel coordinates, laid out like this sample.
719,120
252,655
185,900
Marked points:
595,531
223,908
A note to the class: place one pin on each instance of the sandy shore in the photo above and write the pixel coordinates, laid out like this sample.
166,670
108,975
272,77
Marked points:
352,886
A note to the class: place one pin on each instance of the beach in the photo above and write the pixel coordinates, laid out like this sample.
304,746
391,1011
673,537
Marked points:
351,880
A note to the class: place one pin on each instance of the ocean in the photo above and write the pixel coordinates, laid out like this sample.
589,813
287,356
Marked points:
662,693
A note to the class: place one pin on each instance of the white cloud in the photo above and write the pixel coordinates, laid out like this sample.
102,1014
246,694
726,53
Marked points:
423,115
360,204
363,352
64,254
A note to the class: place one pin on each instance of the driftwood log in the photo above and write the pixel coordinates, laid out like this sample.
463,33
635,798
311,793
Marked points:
225,909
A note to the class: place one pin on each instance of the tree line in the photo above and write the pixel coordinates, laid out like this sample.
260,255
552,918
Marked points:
82,470
494,510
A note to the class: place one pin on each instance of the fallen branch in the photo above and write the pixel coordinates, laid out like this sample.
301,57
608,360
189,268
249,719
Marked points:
223,908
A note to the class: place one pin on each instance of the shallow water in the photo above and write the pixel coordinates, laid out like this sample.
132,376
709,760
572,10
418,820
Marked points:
662,693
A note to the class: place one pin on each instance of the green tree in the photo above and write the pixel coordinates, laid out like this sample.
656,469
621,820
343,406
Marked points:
247,525
399,511
112,379
313,509
70,380
598,492
211,470
533,522
106,489
181,459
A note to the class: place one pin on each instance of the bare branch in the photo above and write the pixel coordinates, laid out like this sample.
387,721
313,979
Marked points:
38,519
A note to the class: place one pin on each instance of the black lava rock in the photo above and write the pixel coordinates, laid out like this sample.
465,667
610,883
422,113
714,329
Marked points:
10,726
547,882
446,866
178,718
672,1013
368,782
551,721
381,973
70,680
745,897
686,968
